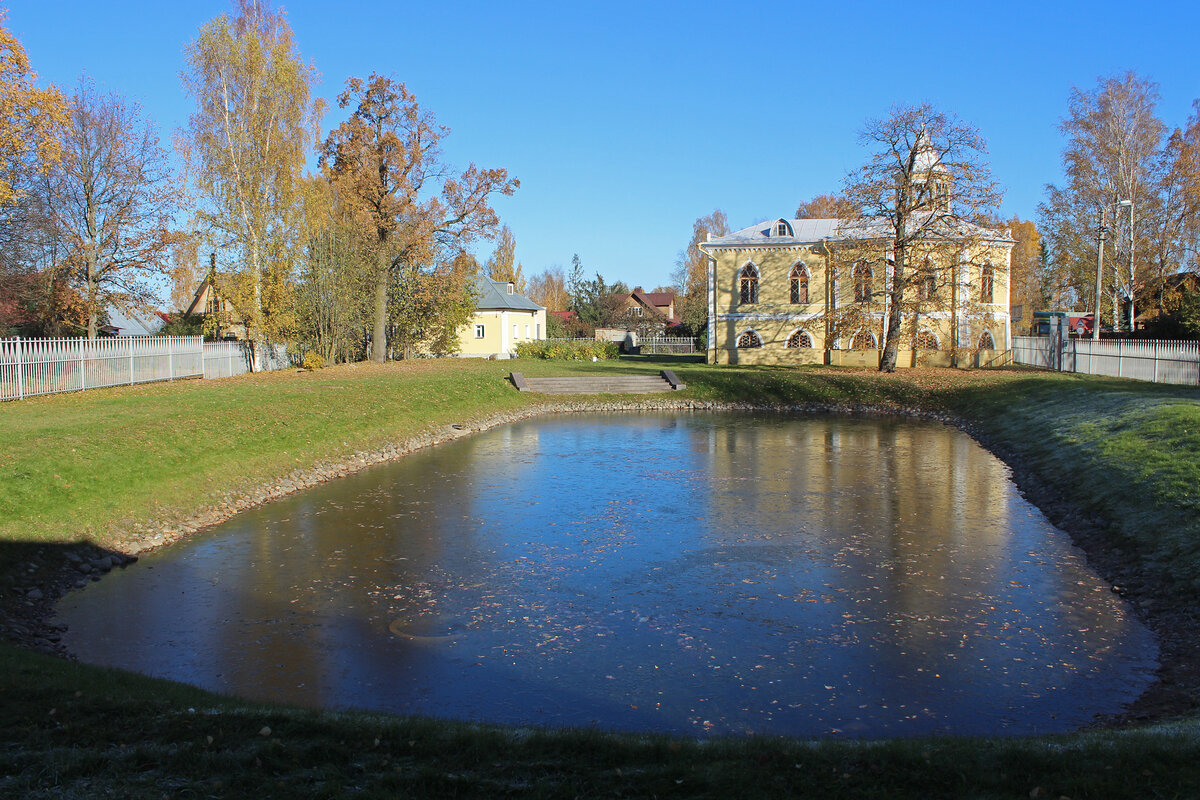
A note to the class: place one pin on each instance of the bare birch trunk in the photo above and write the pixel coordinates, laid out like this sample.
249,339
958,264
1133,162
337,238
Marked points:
891,347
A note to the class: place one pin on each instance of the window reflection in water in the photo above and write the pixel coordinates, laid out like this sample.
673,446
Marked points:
689,573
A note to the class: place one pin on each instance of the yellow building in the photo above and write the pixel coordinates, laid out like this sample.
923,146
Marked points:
815,291
502,319
206,302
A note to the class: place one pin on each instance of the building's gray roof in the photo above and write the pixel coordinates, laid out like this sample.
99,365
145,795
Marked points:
809,231
494,295
133,323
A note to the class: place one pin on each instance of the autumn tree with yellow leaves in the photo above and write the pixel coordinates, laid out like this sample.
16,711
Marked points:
34,284
245,146
385,162
502,264
29,118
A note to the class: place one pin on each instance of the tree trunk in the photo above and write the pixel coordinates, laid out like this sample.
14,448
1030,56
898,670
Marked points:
93,312
379,329
891,347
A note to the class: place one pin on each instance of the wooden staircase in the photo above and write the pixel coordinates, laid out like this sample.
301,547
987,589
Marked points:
665,381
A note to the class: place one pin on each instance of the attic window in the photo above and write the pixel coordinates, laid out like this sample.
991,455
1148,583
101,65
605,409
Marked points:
781,229
510,287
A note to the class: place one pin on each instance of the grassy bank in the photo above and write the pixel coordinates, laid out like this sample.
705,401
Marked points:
97,466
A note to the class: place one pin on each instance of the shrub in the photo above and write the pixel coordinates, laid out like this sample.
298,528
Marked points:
312,361
555,350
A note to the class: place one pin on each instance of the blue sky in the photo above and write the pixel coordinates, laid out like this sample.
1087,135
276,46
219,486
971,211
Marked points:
626,121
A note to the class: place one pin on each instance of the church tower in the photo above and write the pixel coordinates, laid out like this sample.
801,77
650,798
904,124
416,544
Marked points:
929,180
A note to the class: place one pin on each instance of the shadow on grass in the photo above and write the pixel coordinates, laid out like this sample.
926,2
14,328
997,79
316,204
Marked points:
34,576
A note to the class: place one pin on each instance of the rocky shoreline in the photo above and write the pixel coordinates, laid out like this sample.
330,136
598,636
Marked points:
42,574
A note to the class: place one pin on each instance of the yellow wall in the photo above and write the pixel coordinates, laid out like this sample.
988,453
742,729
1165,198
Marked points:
774,318
499,337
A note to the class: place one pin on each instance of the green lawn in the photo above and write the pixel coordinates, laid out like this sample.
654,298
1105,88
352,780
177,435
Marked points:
98,466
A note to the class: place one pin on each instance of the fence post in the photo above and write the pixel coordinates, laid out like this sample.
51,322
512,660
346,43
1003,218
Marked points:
1156,360
20,371
1120,356
82,364
170,358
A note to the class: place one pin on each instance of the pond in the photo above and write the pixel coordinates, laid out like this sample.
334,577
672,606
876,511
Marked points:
701,574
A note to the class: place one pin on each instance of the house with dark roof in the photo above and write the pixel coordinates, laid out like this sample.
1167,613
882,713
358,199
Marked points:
648,312
502,319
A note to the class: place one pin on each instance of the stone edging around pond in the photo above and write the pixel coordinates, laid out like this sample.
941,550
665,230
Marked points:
25,613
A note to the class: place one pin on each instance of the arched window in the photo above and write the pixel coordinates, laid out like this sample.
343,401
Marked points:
862,341
985,284
749,340
986,342
862,283
782,228
748,284
925,340
800,340
927,281
799,284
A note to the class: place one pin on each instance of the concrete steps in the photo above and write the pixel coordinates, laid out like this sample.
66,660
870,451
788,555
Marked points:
665,381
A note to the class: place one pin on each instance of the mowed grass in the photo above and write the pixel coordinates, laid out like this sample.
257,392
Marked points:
87,466
71,731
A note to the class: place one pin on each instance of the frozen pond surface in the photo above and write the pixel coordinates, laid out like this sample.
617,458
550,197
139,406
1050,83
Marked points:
700,574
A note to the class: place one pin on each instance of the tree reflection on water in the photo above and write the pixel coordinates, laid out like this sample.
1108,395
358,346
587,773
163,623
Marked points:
696,573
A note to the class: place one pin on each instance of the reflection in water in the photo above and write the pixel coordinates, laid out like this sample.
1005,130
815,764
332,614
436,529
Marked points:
686,573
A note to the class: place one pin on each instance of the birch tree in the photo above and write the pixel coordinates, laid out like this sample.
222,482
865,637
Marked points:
924,188
549,289
691,273
245,146
386,162
113,198
502,264
333,315
1114,141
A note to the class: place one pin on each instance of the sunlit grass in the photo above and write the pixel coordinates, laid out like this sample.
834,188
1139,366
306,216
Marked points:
89,464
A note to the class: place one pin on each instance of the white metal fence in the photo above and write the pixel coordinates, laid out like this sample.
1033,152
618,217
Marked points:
663,345
226,359
32,367
1141,359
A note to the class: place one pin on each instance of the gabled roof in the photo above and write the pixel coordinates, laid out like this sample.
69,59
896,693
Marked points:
494,295
130,322
809,231
194,306
650,299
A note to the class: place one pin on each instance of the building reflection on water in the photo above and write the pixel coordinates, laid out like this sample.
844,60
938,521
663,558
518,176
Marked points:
697,573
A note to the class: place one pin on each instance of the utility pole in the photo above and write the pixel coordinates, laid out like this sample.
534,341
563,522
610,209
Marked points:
1103,235
213,302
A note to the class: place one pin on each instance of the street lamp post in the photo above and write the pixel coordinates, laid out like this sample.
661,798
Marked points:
1129,203
1103,235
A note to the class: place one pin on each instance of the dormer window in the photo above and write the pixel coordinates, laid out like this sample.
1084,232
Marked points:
782,228
511,288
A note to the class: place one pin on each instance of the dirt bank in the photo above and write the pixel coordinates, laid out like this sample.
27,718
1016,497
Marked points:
35,577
